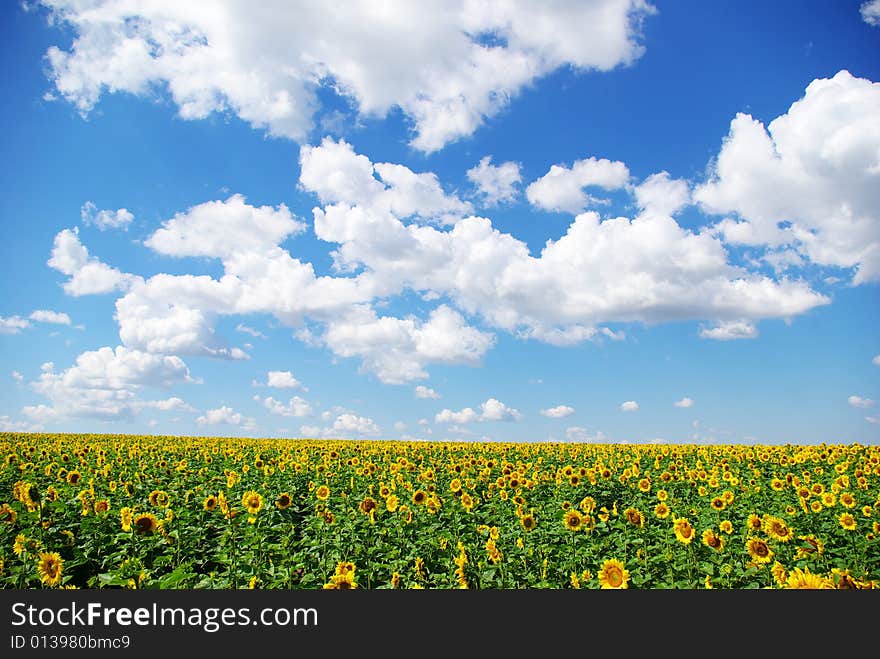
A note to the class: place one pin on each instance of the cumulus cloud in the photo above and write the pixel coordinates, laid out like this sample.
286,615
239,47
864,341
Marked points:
9,425
426,392
562,188
349,424
283,380
244,329
495,184
730,330
876,360
431,60
581,434
870,11
13,324
629,406
18,377
646,269
222,229
88,275
662,195
558,412
54,317
398,350
107,384
684,402
226,415
810,180
105,219
490,410
858,401
295,407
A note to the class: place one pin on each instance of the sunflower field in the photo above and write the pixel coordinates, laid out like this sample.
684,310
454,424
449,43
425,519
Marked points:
119,511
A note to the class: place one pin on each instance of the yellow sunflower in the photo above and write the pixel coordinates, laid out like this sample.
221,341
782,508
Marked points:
634,517
323,492
210,503
283,501
613,575
145,524
684,532
804,579
527,522
661,511
777,529
713,541
50,566
759,551
573,520
252,501
847,521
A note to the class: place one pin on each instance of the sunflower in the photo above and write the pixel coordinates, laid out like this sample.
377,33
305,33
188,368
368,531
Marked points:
754,522
780,575
125,516
159,499
19,547
847,521
8,514
777,529
726,526
661,511
455,485
713,541
50,566
662,495
368,505
527,522
645,485
587,505
804,579
145,524
467,501
573,520
392,502
816,506
759,551
252,502
102,506
73,477
634,517
419,497
283,501
684,532
323,492
829,499
613,575
718,504
210,503
847,500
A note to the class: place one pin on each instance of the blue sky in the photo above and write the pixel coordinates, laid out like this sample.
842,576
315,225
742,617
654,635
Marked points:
606,221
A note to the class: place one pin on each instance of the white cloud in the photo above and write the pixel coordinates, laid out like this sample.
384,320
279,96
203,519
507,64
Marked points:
659,194
495,184
558,412
490,410
647,269
106,384
873,419
398,350
313,432
730,330
225,415
684,402
105,219
283,380
870,11
858,401
399,426
426,392
244,329
629,406
296,407
810,180
18,377
349,424
876,360
562,188
13,324
173,404
8,425
88,275
428,59
581,434
221,229
56,317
